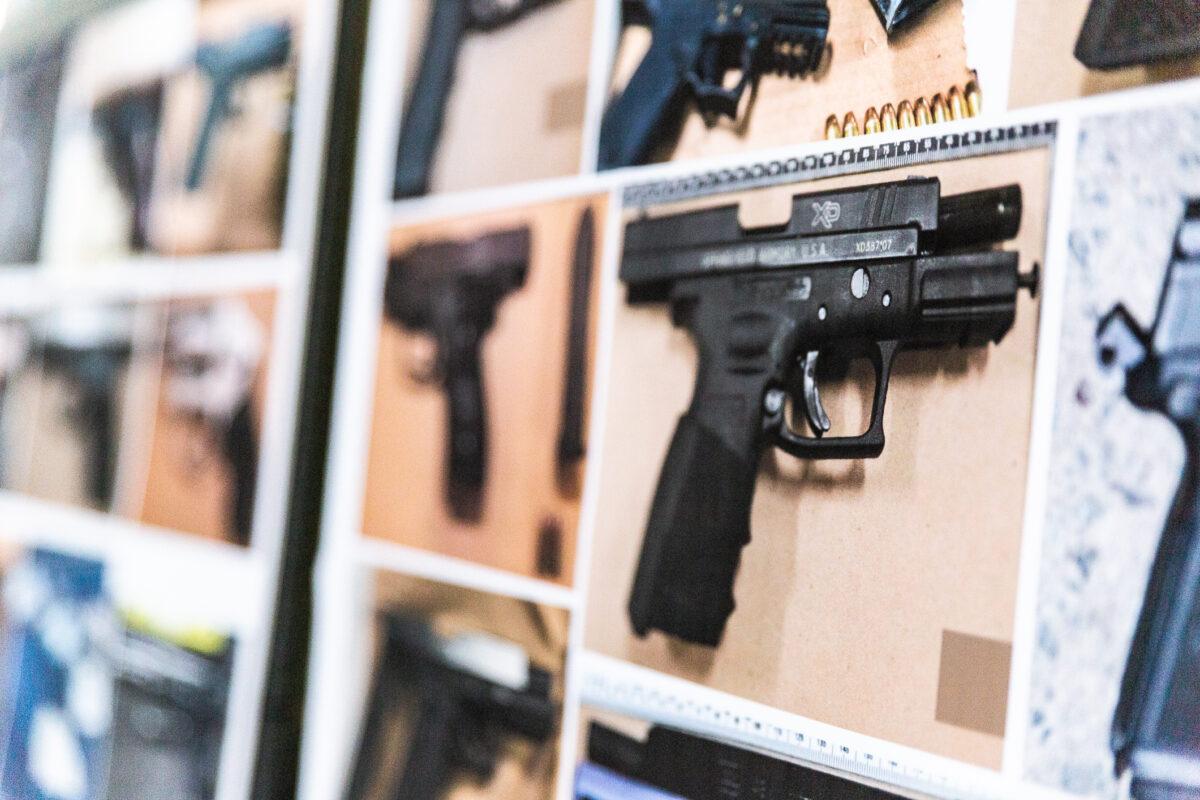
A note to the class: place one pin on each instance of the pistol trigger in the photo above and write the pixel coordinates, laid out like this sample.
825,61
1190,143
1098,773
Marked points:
818,420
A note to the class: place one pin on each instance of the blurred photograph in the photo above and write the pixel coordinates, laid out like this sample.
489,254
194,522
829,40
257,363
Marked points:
1077,48
178,145
468,64
483,386
104,697
201,469
465,698
1113,694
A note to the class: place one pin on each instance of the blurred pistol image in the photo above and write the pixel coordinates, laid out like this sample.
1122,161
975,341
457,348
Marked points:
421,125
213,355
450,290
696,43
226,64
1155,732
128,121
858,272
683,765
1126,33
91,348
472,691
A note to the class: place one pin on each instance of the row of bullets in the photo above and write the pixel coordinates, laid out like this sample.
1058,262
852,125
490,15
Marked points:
957,104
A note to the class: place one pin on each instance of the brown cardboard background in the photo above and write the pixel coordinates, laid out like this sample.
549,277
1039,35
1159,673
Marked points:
196,500
855,568
1044,68
500,124
239,203
865,70
524,770
523,359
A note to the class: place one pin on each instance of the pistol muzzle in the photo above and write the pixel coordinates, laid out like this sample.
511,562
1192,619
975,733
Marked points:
979,218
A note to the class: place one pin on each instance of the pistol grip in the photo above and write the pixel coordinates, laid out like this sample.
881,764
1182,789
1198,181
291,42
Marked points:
699,523
421,126
466,434
649,111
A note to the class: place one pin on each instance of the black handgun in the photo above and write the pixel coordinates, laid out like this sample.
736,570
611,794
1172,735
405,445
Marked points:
695,44
1128,33
421,125
859,272
450,291
93,368
690,766
471,692
127,121
263,47
1155,732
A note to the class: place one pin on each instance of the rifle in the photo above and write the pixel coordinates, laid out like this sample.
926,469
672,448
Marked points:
421,125
128,124
213,355
864,272
472,691
687,766
1154,731
91,352
450,291
1127,33
695,43
226,64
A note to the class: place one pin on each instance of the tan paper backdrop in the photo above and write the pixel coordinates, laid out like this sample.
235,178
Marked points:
524,770
857,570
523,357
863,69
516,110
1044,68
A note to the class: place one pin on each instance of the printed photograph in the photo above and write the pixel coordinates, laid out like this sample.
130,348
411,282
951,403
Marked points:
1076,48
465,696
483,383
1113,696
103,696
695,79
495,93
764,526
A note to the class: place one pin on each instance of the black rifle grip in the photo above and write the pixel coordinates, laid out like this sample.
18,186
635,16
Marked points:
466,430
421,127
648,111
699,523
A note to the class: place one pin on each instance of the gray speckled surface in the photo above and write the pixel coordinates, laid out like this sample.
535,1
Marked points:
1113,469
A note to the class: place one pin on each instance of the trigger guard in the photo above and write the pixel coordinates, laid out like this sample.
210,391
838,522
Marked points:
867,445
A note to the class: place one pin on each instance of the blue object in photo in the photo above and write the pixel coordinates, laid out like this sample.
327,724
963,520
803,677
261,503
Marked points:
594,782
56,681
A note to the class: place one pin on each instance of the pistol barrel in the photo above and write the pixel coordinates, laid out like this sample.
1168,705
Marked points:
979,218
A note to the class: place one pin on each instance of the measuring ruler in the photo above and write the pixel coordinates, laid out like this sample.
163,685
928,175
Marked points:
846,160
618,686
